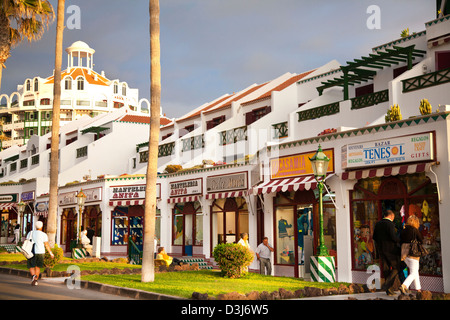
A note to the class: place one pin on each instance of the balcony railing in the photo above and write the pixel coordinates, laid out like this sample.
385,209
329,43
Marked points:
318,112
233,135
370,99
426,80
280,130
167,149
82,152
193,143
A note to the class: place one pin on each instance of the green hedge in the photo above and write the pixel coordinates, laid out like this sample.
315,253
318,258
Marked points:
233,259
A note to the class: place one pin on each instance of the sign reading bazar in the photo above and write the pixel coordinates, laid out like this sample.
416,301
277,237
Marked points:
229,182
187,187
297,165
411,148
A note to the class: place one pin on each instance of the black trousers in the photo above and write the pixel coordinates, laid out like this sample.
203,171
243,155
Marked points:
391,270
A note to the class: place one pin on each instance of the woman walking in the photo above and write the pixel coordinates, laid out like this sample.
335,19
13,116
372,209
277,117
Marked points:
408,234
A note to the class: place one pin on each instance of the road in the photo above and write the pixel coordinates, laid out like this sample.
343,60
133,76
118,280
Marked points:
19,288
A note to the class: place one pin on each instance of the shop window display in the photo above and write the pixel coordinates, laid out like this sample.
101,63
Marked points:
188,224
411,194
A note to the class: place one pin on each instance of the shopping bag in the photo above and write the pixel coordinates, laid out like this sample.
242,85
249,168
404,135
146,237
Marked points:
27,248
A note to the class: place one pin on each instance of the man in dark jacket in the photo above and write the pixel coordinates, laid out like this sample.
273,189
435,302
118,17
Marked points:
386,241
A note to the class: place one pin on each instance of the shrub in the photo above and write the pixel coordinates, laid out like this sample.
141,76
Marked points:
50,262
233,259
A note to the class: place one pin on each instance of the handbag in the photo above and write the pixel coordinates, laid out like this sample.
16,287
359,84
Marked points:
417,249
27,247
405,250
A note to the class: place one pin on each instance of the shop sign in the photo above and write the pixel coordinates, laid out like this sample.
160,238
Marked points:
234,181
297,165
8,197
131,192
67,198
41,207
411,148
27,196
70,198
187,187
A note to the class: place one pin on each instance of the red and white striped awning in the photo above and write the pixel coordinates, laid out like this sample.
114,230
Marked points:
183,199
287,184
387,171
7,205
222,195
137,202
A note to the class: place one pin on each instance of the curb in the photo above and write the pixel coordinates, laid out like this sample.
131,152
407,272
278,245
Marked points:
104,288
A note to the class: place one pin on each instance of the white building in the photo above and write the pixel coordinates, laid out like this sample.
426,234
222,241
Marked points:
28,111
246,167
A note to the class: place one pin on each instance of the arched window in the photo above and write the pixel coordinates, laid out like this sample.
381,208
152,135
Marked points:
68,83
116,88
80,83
28,84
124,89
36,85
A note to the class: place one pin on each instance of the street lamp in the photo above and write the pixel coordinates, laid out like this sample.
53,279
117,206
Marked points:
81,198
322,265
319,163
20,210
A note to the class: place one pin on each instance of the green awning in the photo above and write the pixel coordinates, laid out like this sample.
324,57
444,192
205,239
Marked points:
94,130
364,69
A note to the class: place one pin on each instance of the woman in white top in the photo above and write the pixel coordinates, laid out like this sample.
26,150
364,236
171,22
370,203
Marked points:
244,242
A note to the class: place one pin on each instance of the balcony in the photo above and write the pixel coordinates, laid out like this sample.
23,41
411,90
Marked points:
233,135
193,143
165,150
426,80
280,130
318,112
371,99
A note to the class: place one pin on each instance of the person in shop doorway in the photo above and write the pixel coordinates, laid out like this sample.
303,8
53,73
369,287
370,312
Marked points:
263,254
244,242
90,233
408,234
40,240
387,245
16,234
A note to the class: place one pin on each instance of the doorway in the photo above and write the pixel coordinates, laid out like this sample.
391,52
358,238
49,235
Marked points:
188,226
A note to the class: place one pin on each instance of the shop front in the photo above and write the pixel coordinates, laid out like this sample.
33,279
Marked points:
229,210
90,218
293,195
8,216
407,189
187,216
126,203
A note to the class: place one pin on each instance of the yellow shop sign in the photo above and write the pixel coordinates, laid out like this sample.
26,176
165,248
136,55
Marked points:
296,165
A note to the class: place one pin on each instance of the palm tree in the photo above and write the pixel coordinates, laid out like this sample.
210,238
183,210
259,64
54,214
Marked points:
54,147
19,20
148,271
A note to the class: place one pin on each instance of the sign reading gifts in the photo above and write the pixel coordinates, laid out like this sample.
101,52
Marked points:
297,165
412,148
187,187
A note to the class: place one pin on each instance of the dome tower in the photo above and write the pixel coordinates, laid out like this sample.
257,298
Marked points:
80,55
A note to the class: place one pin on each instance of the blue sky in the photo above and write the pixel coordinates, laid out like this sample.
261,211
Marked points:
213,47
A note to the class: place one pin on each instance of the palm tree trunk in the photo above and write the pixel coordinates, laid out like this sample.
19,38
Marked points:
148,269
54,156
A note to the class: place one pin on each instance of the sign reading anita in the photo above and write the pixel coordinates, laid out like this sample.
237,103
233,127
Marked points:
188,187
131,192
418,147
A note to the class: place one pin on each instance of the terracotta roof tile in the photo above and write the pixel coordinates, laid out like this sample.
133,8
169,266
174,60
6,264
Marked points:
77,72
142,119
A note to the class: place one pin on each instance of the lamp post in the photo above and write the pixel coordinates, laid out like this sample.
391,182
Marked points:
20,210
319,164
322,265
81,198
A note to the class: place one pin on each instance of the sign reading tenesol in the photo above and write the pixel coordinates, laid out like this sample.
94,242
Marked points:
412,148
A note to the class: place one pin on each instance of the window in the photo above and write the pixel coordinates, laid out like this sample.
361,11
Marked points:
36,85
214,122
28,85
256,114
45,102
68,83
188,224
116,88
124,89
80,83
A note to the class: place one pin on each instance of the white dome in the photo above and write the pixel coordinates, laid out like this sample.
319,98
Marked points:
80,46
